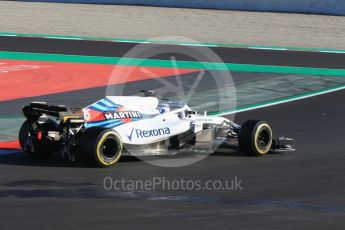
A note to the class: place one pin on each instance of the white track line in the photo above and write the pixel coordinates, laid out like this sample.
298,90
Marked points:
281,102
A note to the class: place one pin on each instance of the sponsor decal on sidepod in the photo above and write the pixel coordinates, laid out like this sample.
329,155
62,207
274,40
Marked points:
122,114
139,133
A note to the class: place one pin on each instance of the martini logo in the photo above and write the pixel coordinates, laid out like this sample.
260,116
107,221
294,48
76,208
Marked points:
122,115
139,133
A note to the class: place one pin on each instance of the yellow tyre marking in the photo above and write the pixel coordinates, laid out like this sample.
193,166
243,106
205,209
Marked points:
98,152
264,125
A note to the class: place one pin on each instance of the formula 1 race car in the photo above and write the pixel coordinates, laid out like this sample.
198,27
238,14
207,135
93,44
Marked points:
132,125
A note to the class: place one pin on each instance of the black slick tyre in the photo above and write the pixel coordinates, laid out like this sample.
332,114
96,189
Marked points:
100,147
255,138
31,145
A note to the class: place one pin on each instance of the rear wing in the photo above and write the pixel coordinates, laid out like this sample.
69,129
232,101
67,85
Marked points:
36,109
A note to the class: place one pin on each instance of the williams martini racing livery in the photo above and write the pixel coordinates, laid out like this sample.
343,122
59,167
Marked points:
132,125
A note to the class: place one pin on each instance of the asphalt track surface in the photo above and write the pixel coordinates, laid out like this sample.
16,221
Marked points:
300,190
118,49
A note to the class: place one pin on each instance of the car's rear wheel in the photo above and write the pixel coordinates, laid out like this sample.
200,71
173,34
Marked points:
255,138
30,143
99,146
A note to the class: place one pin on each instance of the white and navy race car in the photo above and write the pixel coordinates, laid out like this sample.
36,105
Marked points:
132,125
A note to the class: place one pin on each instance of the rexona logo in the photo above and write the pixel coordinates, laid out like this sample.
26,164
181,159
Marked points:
122,114
148,133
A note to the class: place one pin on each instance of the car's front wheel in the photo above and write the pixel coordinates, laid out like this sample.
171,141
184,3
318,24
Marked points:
255,138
